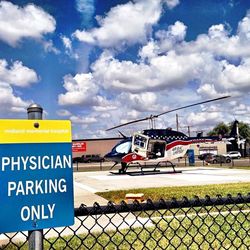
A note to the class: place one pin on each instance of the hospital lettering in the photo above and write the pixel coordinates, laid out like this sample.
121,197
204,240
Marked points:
177,150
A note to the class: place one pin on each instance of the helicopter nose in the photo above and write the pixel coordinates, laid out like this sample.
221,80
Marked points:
109,156
112,157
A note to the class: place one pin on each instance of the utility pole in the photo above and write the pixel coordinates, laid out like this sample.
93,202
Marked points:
177,122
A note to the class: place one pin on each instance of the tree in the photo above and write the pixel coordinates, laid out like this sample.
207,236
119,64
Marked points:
220,129
224,129
244,131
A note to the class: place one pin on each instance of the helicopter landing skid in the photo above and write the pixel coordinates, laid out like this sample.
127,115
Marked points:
151,169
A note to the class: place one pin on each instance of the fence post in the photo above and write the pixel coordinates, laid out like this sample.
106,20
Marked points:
35,237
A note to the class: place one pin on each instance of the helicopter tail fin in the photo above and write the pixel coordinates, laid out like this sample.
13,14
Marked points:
123,136
235,130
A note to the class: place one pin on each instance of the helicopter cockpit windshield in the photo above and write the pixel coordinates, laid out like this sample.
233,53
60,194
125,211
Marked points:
123,148
119,150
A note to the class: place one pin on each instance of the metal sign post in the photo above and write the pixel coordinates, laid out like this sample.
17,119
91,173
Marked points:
35,238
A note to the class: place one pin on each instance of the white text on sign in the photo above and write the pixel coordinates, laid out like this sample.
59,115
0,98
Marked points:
37,212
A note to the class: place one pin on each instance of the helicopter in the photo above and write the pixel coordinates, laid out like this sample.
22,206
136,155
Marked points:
157,145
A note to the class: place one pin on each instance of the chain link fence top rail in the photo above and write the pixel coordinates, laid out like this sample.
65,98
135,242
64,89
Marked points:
209,223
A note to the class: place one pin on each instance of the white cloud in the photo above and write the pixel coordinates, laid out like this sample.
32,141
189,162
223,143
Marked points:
149,51
105,115
217,31
146,101
83,120
68,47
203,118
67,43
244,27
17,74
124,75
162,72
173,70
86,8
235,77
9,103
81,89
133,114
202,60
129,23
219,42
176,32
84,36
63,112
104,108
49,47
103,105
207,90
177,97
29,21
172,3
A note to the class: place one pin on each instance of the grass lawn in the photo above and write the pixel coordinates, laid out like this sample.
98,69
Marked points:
230,166
192,231
198,229
167,193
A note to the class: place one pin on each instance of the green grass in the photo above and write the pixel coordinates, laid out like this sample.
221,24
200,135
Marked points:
197,229
247,167
204,231
167,193
241,167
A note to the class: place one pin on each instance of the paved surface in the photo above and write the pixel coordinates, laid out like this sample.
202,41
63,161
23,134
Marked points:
88,183
84,195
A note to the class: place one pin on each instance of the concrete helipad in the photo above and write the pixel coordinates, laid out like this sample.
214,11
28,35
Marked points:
86,184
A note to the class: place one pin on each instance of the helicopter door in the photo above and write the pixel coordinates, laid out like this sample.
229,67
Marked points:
156,149
140,144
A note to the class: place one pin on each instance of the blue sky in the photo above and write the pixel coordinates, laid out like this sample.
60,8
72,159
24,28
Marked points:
101,63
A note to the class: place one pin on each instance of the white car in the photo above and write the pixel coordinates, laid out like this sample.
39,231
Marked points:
233,154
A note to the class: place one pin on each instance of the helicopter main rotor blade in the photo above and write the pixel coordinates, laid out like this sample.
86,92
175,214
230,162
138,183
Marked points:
127,123
191,105
169,111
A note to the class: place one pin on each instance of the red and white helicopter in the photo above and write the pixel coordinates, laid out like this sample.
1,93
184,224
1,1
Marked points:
155,145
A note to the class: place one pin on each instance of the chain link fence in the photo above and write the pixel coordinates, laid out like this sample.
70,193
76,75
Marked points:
209,223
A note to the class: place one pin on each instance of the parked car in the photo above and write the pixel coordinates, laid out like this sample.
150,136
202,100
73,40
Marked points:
218,159
92,158
233,154
88,158
77,159
204,156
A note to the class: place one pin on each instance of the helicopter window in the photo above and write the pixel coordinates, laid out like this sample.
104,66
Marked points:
124,147
140,141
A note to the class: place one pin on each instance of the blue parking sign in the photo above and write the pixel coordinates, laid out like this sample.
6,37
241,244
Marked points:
36,178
